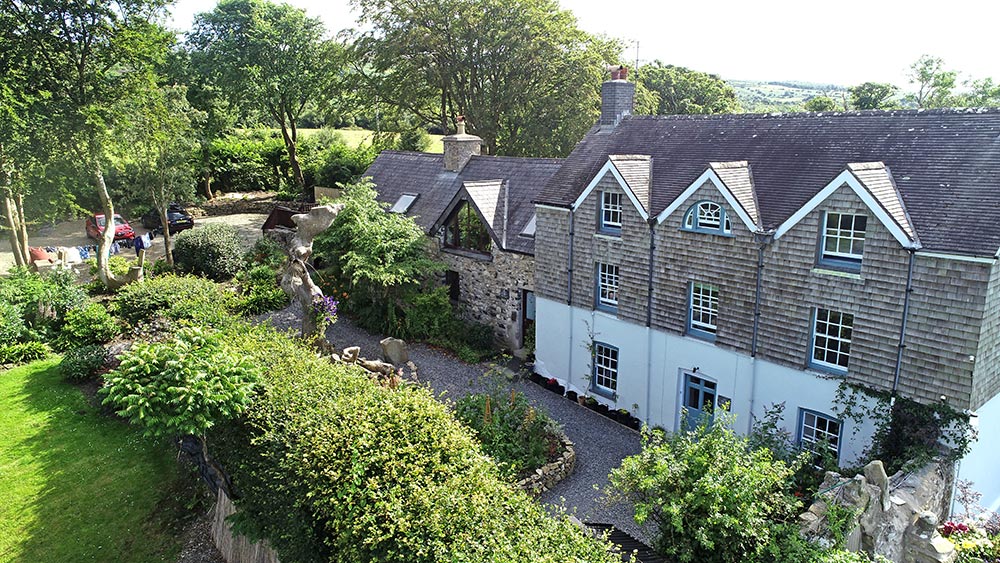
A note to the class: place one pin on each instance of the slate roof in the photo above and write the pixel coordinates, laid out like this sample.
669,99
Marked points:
945,164
396,173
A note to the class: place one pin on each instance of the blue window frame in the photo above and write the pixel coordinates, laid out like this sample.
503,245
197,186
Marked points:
830,345
703,311
604,380
606,283
842,242
699,400
707,217
816,429
609,215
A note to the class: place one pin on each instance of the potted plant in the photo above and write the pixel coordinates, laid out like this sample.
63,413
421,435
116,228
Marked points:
534,377
601,408
571,395
633,423
552,384
590,403
622,415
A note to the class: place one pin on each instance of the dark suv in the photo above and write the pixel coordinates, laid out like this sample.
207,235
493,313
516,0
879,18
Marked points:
177,218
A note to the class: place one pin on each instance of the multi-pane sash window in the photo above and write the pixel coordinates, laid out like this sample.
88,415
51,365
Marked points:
844,237
832,335
611,211
816,429
605,367
607,286
704,308
707,216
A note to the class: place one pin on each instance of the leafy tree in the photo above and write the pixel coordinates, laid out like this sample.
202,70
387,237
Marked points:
934,83
521,72
376,255
821,103
982,93
710,496
267,57
873,95
160,142
85,57
678,90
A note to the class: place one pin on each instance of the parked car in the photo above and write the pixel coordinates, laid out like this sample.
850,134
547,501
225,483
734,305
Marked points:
177,217
95,226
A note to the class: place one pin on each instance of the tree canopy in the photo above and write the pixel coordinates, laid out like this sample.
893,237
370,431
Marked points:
874,95
265,57
934,84
677,90
521,72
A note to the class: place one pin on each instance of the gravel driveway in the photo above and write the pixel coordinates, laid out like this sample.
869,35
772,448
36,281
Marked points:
601,444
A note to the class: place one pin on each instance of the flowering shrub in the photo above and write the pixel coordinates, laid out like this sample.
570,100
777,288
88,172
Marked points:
950,527
324,311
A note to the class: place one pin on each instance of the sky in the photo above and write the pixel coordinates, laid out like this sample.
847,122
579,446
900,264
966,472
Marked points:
843,42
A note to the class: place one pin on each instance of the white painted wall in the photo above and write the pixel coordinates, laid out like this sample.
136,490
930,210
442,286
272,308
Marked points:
980,465
652,365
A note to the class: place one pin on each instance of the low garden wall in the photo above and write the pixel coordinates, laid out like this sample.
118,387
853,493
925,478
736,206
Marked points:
546,476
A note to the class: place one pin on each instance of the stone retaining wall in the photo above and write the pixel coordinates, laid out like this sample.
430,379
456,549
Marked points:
546,476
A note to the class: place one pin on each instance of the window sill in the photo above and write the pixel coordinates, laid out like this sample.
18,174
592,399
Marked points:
715,232
472,254
701,335
846,274
602,392
608,236
827,370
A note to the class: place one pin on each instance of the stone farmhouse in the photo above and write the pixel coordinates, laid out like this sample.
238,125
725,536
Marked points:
479,212
740,261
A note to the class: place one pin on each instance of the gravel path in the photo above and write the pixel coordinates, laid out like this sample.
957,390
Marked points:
601,444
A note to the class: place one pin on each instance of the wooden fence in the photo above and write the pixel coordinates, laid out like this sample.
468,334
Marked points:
235,548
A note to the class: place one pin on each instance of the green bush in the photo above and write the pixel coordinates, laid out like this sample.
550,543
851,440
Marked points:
23,352
709,496
89,324
177,298
11,324
213,251
260,291
331,466
238,164
119,265
41,299
519,437
429,314
266,251
180,387
83,362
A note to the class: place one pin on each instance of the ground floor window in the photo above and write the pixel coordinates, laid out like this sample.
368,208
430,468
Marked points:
605,368
454,289
816,429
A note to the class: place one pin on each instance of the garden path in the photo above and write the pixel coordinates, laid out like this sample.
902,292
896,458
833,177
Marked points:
601,444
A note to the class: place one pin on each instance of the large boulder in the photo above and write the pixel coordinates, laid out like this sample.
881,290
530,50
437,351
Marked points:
394,351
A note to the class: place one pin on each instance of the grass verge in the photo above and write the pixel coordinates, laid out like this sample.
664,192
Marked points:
79,486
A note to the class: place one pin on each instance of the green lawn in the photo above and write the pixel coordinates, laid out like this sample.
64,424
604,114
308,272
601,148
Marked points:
355,137
76,485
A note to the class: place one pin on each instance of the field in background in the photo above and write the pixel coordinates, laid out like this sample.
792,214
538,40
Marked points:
356,137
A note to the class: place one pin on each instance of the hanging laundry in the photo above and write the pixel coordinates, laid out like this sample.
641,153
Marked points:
84,252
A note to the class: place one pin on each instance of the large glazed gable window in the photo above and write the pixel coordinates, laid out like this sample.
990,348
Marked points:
843,243
831,340
605,377
707,217
465,230
610,213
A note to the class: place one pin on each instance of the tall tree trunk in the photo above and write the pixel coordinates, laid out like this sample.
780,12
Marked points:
168,247
15,243
293,157
23,224
206,171
108,235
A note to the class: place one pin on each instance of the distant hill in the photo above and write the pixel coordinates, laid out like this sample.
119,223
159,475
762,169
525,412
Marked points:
782,95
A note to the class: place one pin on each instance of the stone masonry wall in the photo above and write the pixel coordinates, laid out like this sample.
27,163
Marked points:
490,288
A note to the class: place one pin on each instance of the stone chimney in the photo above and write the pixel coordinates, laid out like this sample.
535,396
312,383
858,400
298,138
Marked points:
617,97
460,147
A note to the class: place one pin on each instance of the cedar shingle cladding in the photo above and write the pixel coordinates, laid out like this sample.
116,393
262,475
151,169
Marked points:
946,166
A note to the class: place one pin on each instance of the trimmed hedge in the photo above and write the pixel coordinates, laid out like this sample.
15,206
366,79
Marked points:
214,251
331,466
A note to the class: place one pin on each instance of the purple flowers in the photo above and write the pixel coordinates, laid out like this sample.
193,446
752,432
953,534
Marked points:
324,310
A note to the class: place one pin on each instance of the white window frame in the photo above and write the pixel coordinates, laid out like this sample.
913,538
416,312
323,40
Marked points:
708,217
851,236
611,211
605,375
833,323
608,285
703,300
814,427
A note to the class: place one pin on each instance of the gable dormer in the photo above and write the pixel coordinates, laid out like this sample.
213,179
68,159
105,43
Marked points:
631,174
733,185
